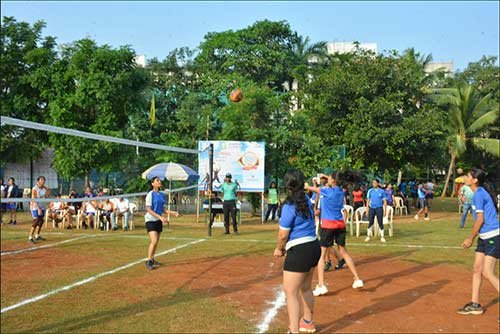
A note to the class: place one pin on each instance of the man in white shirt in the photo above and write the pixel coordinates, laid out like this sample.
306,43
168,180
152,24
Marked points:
121,209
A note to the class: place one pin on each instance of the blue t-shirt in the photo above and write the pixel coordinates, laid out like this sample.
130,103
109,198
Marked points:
155,200
421,193
376,197
302,230
313,198
413,187
402,186
388,195
332,203
482,202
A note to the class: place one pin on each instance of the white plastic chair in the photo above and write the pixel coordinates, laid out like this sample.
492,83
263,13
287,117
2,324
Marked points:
399,206
349,219
358,217
387,220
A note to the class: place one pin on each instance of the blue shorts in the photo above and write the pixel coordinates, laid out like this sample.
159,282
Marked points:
35,215
89,213
11,206
490,247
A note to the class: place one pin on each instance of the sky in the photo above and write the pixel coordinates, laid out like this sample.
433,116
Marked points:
461,32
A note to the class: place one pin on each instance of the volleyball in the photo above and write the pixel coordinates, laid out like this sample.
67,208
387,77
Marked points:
236,95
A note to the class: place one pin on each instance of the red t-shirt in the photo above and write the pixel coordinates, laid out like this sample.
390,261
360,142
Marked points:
358,196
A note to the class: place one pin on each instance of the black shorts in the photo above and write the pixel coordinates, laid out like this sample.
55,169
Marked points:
329,236
156,226
490,247
422,203
302,258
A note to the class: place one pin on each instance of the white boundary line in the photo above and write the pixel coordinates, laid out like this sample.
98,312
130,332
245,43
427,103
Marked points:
278,302
93,278
24,250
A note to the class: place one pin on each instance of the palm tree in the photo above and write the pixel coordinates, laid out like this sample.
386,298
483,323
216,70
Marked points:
470,118
304,55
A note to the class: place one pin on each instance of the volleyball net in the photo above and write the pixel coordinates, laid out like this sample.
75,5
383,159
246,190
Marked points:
102,192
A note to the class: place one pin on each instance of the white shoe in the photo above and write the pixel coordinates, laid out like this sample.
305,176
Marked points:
367,239
416,217
426,218
357,284
382,239
320,290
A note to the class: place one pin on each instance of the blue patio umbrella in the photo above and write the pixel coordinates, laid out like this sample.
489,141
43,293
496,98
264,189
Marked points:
172,172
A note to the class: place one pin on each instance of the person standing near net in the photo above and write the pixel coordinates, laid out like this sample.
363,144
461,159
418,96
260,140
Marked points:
38,209
376,205
12,192
297,239
272,201
155,208
230,189
487,227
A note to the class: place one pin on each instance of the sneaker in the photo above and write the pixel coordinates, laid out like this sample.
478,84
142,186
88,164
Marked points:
115,228
69,227
236,233
367,239
340,265
320,290
30,240
416,217
10,223
305,327
14,222
471,308
328,265
126,228
149,264
40,238
426,218
357,284
227,233
156,263
382,239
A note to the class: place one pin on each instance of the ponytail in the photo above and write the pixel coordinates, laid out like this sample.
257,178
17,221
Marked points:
480,175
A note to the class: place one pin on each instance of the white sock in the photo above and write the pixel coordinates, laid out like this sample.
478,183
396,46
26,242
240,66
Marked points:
30,237
381,233
370,232
36,236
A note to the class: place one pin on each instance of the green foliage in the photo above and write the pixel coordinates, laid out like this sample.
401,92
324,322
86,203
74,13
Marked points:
24,61
378,105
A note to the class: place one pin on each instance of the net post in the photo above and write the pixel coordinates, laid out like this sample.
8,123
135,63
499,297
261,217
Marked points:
210,185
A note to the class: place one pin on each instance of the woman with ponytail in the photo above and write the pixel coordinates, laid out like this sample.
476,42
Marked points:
297,239
155,208
333,225
488,245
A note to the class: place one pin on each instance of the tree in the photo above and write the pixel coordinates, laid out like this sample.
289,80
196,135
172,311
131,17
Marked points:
93,88
470,116
25,61
374,105
260,52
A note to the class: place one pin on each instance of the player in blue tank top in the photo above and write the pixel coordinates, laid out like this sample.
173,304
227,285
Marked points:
486,226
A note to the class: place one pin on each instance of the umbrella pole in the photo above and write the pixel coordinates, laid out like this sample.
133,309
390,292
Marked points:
169,195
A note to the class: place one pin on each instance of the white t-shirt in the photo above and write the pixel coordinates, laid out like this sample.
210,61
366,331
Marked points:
89,208
9,190
56,206
2,190
122,206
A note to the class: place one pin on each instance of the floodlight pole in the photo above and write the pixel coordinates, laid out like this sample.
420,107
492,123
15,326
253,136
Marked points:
210,185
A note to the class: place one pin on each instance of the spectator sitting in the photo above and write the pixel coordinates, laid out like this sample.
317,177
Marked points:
71,209
56,210
121,209
12,192
106,211
89,209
